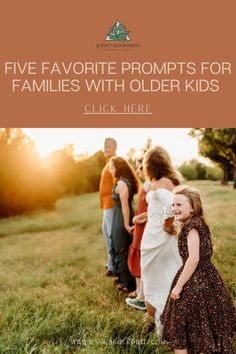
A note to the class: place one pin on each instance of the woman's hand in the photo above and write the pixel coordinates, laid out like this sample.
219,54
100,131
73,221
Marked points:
169,226
130,229
170,230
175,293
140,218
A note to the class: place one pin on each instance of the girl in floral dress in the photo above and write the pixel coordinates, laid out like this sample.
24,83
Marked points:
199,315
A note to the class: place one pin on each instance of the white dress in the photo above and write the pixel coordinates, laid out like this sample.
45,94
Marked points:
160,259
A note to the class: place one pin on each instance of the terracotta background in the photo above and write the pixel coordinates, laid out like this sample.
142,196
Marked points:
69,31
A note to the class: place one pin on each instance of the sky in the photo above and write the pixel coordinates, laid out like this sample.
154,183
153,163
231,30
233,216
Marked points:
176,141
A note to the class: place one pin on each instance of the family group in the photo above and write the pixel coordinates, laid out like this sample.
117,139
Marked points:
161,254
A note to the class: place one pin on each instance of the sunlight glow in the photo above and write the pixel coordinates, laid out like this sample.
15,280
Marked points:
178,143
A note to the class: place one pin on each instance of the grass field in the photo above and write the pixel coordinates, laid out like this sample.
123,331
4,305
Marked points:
53,296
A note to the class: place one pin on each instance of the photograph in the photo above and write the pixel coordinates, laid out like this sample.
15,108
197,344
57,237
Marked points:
117,177
117,240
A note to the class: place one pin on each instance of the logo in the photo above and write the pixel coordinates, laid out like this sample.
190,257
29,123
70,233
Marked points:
118,38
118,32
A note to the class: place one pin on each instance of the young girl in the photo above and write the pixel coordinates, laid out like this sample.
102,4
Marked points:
121,233
199,315
160,257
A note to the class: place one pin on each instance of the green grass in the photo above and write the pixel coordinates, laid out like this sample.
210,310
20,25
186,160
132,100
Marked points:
53,296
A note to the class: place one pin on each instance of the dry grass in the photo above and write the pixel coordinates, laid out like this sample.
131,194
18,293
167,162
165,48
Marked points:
54,298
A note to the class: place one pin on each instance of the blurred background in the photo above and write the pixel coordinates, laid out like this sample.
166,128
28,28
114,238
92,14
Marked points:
38,166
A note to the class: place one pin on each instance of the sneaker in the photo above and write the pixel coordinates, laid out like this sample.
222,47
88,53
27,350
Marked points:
139,305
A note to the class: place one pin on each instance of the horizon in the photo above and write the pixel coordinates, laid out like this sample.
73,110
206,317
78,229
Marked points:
88,141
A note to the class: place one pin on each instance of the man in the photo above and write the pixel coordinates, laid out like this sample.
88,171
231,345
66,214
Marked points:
106,201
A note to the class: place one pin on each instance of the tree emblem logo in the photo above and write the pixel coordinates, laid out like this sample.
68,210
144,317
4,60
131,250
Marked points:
118,32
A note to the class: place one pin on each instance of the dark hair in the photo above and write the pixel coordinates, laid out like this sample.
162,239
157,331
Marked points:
124,170
157,164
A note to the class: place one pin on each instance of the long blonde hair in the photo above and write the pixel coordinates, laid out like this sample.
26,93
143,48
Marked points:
194,198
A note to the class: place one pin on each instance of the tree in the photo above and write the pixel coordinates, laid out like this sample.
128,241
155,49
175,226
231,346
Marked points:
188,171
61,167
219,145
194,169
23,186
28,183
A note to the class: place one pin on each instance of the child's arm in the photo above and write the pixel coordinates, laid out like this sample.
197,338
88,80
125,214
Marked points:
190,265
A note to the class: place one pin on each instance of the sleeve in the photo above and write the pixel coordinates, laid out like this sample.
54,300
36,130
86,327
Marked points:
194,223
147,186
204,235
168,212
166,203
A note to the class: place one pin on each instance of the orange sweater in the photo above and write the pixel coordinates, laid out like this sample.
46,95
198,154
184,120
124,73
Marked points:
105,188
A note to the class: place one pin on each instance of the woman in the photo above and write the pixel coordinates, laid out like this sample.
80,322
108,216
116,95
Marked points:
121,234
160,258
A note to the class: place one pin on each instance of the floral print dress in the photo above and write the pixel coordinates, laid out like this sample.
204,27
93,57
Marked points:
203,319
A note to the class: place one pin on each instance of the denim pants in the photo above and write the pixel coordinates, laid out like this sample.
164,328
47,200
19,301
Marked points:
106,228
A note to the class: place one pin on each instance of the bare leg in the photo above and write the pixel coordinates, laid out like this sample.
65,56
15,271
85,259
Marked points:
137,284
149,322
140,294
150,309
181,351
134,293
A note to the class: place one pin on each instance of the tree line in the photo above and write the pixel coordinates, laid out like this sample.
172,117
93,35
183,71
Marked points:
28,182
219,145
